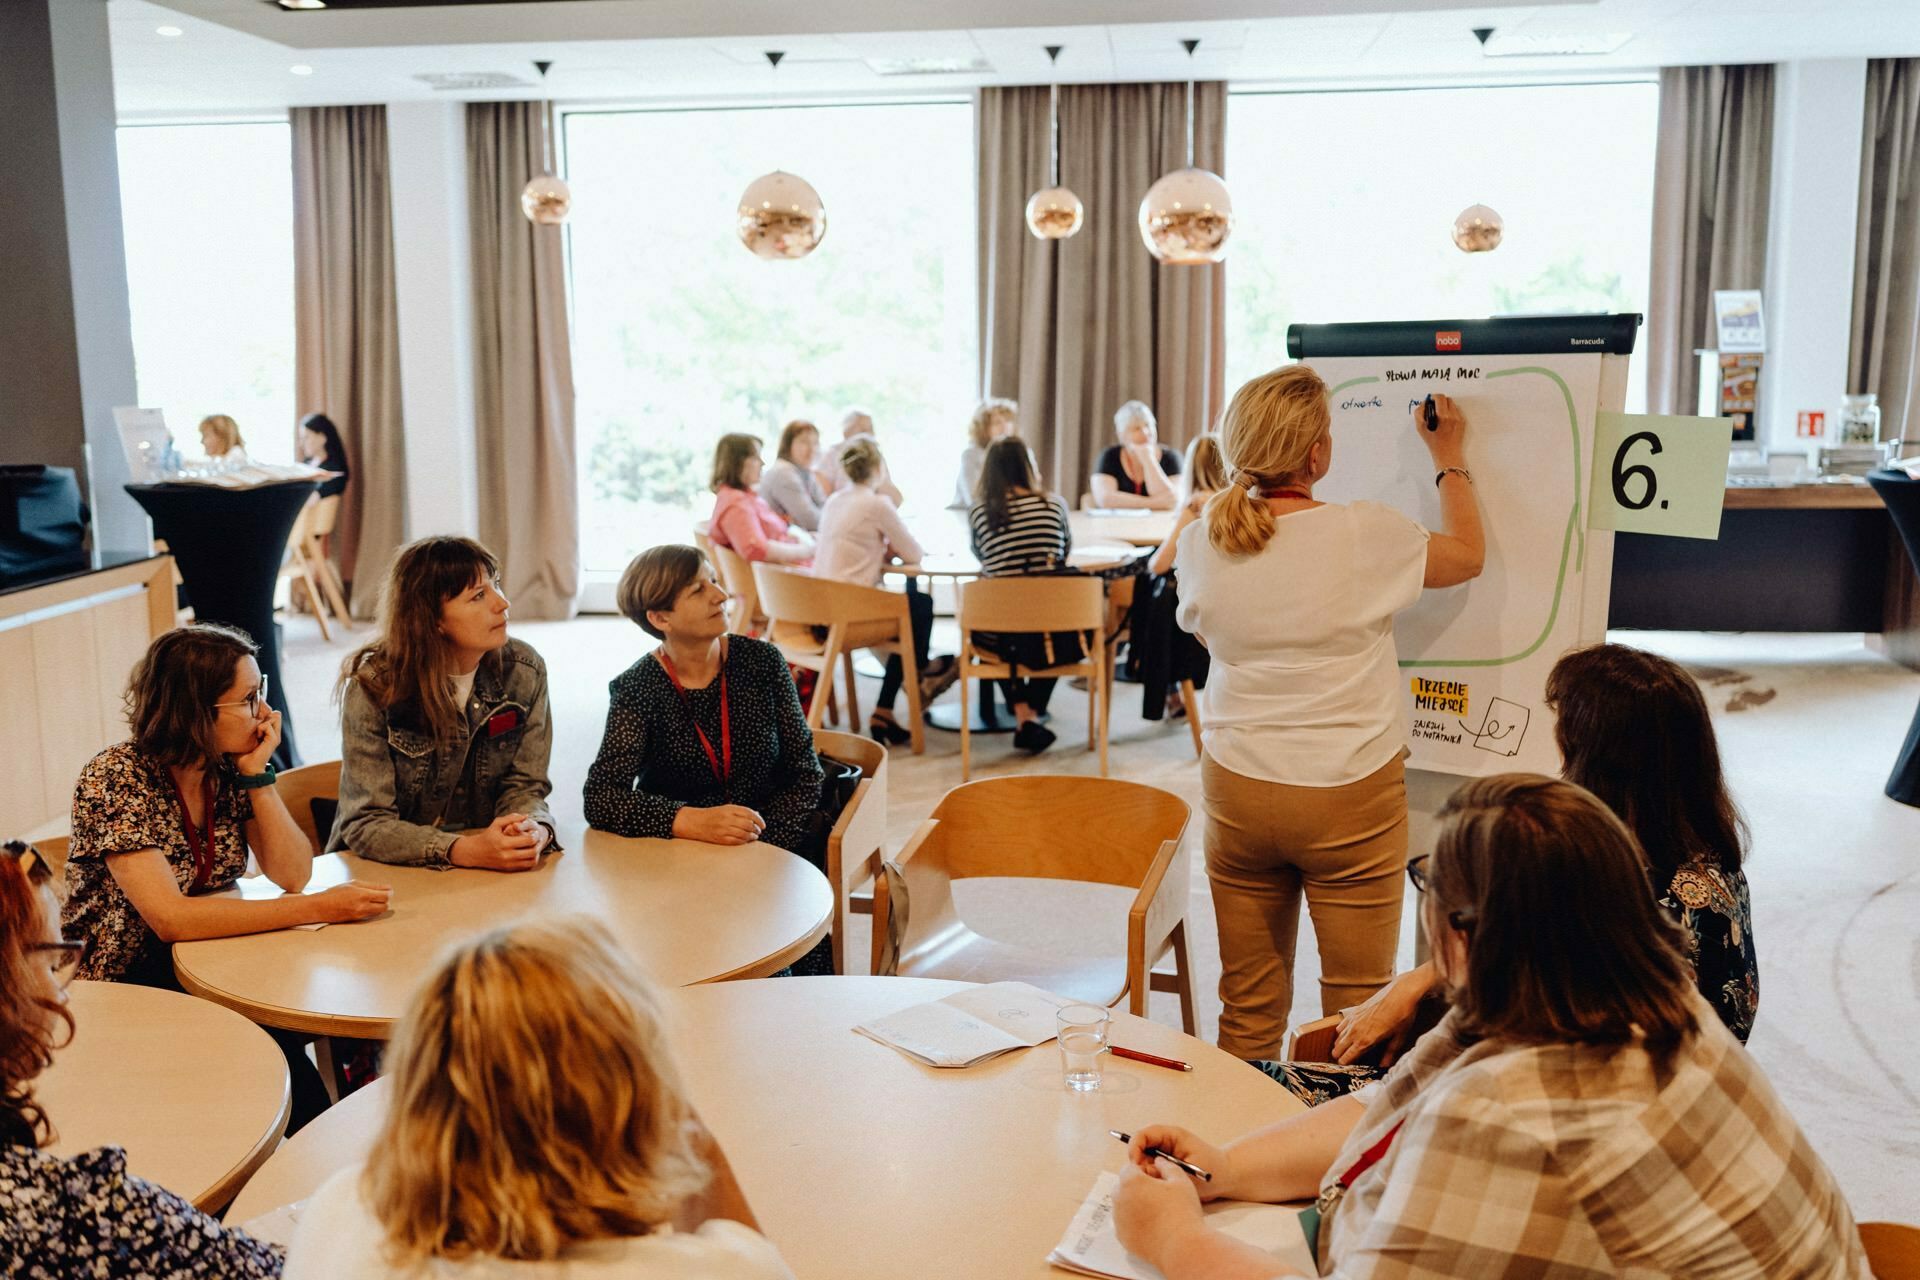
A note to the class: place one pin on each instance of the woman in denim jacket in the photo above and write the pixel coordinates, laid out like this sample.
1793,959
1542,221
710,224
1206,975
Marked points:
444,723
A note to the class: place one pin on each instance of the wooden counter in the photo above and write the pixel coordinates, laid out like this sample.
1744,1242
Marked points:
66,649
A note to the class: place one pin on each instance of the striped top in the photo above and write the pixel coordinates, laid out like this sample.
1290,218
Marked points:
1036,536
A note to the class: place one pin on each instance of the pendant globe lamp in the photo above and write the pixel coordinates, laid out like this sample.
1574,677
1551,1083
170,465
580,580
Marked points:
1478,229
1187,215
1054,213
546,200
781,216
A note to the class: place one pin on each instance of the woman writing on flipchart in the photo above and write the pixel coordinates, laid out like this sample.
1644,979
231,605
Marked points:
1303,776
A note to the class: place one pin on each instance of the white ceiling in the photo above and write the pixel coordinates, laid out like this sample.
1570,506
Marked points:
233,56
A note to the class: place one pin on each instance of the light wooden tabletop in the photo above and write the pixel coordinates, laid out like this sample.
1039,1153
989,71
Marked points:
964,564
1139,528
686,911
860,1162
195,1093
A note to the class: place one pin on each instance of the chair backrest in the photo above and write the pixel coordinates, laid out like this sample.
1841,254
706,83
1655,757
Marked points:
302,532
736,572
1054,826
299,788
793,595
325,513
53,849
1893,1250
1067,602
852,749
704,541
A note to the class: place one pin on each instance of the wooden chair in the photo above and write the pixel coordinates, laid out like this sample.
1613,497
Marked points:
1893,1250
855,617
299,788
54,850
1052,826
1312,1041
744,614
325,514
1036,604
854,848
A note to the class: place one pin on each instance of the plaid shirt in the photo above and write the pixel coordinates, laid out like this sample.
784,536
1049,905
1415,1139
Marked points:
1575,1160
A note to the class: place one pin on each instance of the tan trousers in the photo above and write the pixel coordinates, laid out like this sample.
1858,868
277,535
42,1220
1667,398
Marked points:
1267,843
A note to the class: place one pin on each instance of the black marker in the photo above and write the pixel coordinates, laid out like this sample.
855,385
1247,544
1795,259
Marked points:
1433,414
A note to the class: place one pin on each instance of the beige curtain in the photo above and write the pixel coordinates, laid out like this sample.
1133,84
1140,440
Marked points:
1886,265
1074,328
346,333
1711,178
523,367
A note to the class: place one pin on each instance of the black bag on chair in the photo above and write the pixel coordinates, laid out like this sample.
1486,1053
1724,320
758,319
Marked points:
836,789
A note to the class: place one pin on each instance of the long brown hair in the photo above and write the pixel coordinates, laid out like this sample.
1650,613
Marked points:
1007,466
408,668
28,1023
791,433
170,695
730,454
1634,729
535,1105
1266,438
1565,942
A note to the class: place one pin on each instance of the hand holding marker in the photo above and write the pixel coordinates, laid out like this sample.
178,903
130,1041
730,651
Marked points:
1432,414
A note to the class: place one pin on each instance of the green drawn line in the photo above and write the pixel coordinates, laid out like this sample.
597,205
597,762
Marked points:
1566,541
1351,382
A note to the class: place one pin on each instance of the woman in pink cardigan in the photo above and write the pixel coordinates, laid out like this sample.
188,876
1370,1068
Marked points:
742,520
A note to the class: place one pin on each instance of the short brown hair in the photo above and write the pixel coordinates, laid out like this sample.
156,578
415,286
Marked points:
790,433
730,456
860,459
171,693
1567,944
535,1103
654,580
27,1022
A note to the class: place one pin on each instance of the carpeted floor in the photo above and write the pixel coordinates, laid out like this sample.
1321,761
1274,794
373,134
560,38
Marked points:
1808,727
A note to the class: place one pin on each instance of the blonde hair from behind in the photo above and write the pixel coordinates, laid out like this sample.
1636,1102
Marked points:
1266,439
860,459
225,431
980,426
1205,470
535,1105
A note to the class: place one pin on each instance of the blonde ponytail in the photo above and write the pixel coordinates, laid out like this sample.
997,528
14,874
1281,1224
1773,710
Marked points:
1266,437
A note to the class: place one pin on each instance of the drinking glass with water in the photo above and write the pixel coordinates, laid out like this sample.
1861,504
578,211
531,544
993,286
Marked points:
1083,1038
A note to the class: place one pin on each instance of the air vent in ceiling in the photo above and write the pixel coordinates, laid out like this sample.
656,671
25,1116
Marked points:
929,66
459,81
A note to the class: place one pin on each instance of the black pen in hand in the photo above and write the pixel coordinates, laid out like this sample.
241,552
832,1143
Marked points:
1192,1170
1432,414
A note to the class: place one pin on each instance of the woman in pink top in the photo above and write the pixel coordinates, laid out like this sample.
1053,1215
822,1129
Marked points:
742,521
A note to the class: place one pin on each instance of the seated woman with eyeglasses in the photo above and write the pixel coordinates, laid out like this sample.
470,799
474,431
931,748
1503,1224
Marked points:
445,729
1579,1111
165,820
538,1128
81,1215
1633,728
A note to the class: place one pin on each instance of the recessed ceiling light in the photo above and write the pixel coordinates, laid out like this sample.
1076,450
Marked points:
303,4
168,32
301,69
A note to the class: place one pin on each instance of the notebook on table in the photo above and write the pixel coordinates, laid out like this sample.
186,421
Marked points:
1090,1247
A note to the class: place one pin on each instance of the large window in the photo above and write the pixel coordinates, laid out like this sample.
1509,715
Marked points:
208,215
681,335
1345,201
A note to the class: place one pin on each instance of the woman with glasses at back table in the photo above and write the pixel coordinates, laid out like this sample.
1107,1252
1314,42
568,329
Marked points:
164,821
80,1215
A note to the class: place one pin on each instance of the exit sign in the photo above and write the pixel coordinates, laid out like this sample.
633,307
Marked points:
1813,425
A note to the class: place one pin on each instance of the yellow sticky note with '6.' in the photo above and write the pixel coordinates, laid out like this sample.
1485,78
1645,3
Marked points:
1665,475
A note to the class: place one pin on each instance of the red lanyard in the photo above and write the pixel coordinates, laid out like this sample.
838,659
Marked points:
1301,494
721,763
1368,1158
200,840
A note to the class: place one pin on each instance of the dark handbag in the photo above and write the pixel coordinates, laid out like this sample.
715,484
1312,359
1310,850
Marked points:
836,789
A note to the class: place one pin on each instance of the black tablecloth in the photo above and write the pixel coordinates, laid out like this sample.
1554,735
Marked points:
1902,496
229,544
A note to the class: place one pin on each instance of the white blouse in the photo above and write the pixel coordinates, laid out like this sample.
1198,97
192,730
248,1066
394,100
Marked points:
1305,684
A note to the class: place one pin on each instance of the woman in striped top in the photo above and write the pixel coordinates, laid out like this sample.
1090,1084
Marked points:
1018,528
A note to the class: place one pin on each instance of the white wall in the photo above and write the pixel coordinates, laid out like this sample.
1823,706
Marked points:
1810,241
433,279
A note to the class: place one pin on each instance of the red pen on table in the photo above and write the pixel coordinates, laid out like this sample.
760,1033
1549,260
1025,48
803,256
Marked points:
1154,1060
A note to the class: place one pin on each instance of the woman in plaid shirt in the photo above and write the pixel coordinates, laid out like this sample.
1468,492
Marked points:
1580,1111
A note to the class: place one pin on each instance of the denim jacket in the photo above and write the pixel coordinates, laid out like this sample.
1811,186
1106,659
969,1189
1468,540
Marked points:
405,797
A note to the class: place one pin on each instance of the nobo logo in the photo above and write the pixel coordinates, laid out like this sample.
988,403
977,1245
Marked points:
1446,340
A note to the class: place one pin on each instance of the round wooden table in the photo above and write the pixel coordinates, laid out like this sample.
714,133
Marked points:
860,1162
196,1094
1138,527
686,911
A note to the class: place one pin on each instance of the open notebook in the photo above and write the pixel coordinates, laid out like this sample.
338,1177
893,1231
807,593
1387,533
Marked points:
970,1026
1091,1249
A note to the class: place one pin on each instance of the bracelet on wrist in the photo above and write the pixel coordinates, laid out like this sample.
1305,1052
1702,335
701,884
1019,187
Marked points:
254,781
1444,472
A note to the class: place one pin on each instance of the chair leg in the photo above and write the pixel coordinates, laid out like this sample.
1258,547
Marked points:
853,694
1183,973
1106,706
966,724
910,684
1191,702
823,687
313,594
336,592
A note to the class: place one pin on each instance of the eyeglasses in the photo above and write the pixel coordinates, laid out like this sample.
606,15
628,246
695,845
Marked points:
1419,873
252,702
33,863
67,959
